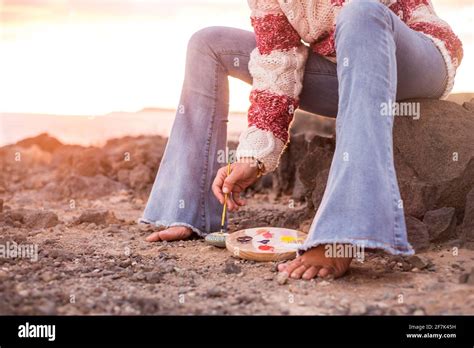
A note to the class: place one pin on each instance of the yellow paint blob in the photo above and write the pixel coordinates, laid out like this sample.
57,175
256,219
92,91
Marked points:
288,239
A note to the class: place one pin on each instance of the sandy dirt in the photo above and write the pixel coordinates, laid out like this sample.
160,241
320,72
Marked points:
106,267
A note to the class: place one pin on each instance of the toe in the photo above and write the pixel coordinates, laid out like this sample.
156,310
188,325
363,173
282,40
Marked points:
154,237
311,272
325,272
289,267
171,234
297,273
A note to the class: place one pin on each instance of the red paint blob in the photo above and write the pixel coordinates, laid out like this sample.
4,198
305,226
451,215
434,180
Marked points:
267,235
265,247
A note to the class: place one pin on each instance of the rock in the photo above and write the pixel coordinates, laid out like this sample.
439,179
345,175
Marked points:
419,311
282,278
125,263
3,275
439,151
216,239
47,308
123,176
470,279
467,278
268,277
463,278
469,106
418,262
140,177
1,205
441,223
284,175
418,235
358,308
215,292
98,217
40,219
434,158
314,169
231,268
91,161
74,186
32,219
44,141
468,221
47,276
153,277
319,187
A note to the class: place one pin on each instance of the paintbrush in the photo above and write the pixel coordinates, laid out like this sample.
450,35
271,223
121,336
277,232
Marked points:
218,238
224,209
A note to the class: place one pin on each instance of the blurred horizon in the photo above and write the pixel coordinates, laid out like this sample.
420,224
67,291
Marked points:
86,57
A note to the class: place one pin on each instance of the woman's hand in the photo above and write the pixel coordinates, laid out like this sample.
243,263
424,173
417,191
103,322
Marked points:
242,174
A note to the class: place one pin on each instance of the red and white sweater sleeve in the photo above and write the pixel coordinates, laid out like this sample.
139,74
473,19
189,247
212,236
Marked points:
420,16
277,67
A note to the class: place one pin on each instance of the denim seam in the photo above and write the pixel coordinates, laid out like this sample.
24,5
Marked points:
389,120
204,202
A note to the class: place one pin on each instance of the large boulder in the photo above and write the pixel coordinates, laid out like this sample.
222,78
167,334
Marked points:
468,222
434,158
438,149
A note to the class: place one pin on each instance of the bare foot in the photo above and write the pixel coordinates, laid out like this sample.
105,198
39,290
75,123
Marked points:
170,234
314,263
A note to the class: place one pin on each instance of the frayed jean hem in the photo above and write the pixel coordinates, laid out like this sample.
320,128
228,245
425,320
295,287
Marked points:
161,223
367,244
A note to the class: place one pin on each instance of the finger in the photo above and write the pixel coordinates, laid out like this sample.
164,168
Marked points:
311,272
217,185
231,203
297,273
154,237
229,182
237,199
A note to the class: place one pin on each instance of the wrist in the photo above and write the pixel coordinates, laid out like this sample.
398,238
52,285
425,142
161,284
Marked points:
254,163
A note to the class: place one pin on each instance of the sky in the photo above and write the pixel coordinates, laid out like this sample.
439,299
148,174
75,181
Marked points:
92,57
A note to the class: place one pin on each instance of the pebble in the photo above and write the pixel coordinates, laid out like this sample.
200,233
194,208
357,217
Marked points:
467,278
419,312
214,292
153,277
358,308
216,239
419,262
125,263
231,268
47,276
268,277
324,283
282,278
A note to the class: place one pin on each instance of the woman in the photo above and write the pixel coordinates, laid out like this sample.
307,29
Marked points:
386,50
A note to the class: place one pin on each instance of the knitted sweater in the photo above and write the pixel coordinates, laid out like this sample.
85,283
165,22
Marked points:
277,63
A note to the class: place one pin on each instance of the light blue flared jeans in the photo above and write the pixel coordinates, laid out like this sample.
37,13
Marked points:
379,60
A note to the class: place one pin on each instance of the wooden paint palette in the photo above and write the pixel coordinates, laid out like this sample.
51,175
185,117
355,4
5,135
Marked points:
265,243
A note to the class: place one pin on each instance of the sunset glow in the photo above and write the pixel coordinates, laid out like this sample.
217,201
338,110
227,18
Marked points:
94,57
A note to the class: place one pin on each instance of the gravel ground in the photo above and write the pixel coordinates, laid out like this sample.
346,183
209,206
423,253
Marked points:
92,259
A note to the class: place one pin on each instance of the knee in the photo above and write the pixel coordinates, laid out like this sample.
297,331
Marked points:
204,38
360,14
